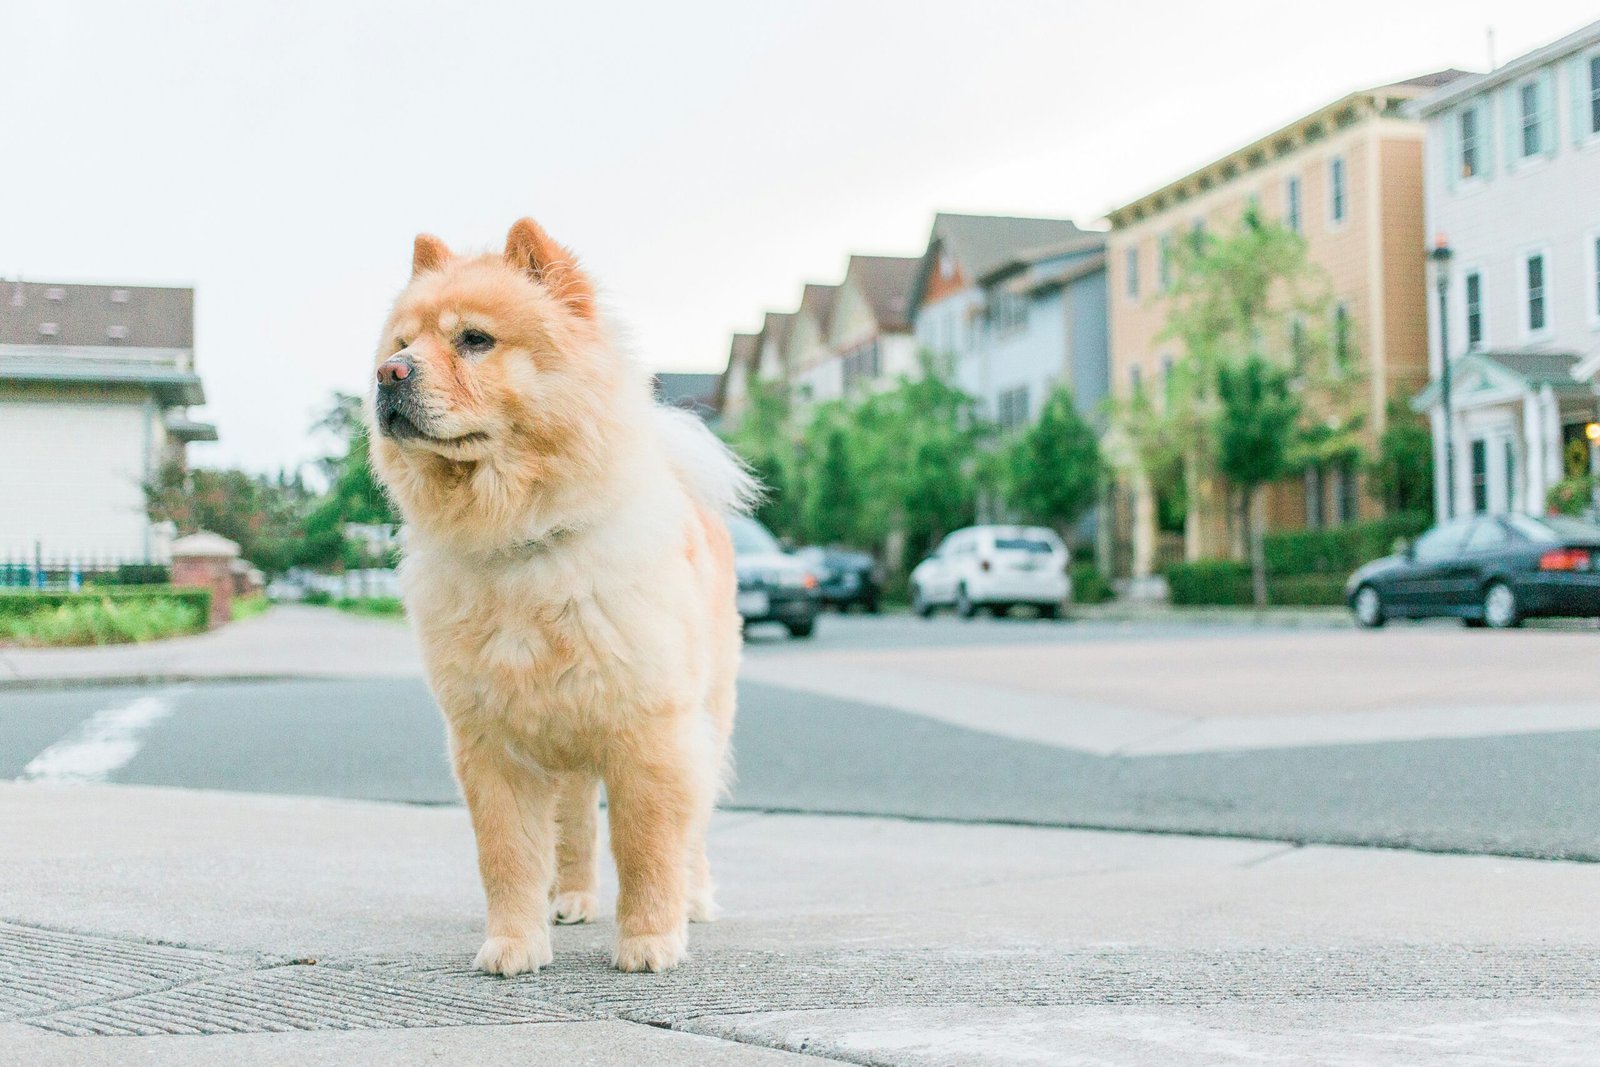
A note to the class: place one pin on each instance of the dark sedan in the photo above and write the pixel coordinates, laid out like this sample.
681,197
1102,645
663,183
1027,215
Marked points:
1488,570
845,579
774,586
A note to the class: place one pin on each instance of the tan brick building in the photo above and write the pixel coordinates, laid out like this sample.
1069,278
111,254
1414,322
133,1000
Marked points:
1349,178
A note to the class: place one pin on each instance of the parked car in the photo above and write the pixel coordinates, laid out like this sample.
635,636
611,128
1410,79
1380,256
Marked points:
994,567
774,586
1489,570
845,578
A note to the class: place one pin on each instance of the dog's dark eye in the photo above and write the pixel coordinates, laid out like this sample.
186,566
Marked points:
399,344
474,341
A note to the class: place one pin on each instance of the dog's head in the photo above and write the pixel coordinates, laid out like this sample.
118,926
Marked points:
493,361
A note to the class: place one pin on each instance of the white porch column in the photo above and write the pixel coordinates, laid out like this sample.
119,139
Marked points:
1463,462
1554,460
1534,484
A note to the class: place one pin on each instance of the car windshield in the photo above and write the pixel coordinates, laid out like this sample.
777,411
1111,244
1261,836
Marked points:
1023,544
750,537
1553,528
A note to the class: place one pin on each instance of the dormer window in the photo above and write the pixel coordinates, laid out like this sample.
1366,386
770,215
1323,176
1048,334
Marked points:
116,333
49,329
55,293
119,296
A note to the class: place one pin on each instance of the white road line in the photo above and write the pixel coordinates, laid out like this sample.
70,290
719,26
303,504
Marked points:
104,742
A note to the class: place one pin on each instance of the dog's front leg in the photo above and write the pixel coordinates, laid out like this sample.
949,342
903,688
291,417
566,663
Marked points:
651,809
513,816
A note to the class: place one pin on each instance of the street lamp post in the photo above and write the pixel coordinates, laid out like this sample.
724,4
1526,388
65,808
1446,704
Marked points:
1440,254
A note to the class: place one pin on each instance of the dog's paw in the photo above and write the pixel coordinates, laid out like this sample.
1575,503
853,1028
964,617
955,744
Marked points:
703,907
514,955
575,906
650,952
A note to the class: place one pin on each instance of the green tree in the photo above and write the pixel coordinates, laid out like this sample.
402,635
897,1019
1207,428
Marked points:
1053,468
765,439
1255,430
832,487
1401,474
262,513
354,493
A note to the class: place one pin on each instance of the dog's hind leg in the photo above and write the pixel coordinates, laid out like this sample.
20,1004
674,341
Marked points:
575,891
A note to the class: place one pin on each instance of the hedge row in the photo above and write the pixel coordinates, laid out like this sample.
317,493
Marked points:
1339,550
1226,582
20,604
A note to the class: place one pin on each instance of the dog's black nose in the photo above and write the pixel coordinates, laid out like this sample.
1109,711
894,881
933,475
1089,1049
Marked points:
395,371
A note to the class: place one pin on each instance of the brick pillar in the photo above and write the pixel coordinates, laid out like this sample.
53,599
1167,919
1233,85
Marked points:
205,560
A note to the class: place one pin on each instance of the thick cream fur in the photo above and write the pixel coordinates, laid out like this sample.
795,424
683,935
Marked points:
571,582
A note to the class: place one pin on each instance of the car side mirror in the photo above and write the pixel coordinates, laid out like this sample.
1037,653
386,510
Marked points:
1405,547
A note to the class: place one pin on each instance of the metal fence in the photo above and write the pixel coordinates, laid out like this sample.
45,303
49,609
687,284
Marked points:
72,571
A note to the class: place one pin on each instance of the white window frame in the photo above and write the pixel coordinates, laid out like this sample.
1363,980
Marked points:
1294,207
1525,295
1338,191
1588,136
1591,277
1479,107
1483,308
1519,159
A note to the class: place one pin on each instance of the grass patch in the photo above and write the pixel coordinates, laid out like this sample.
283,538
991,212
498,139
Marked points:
383,607
248,607
90,620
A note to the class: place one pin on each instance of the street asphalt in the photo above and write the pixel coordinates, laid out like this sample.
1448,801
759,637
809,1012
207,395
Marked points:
380,739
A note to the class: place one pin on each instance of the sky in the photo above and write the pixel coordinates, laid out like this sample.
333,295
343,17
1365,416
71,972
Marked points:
704,158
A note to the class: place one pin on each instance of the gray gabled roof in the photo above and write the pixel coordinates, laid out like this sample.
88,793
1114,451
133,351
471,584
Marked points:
1525,368
1472,84
885,282
981,243
111,316
817,300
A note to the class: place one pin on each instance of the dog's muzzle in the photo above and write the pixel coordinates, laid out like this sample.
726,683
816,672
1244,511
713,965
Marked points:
395,405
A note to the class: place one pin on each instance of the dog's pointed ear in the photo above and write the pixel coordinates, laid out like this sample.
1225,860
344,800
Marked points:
429,253
530,249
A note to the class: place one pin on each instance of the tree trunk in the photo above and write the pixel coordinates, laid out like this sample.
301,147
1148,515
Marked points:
1256,540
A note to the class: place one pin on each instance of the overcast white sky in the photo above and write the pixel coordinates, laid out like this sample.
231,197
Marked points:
704,158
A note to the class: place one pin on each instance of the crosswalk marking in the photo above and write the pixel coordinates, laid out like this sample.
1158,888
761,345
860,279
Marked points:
104,742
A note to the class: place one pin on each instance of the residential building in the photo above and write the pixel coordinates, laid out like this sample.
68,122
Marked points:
1513,187
813,374
1348,177
869,333
733,389
948,298
699,393
95,386
1044,325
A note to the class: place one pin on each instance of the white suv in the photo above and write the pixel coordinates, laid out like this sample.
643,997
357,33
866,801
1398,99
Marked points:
997,567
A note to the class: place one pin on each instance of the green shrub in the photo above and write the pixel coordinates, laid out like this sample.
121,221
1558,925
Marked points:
104,620
20,604
1089,586
317,598
383,606
248,607
1573,495
1223,582
1341,549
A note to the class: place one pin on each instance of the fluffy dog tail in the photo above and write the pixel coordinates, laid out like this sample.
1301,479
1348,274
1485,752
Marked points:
714,476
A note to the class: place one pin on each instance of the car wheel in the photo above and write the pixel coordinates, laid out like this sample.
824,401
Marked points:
964,605
1368,608
1500,609
871,606
802,629
919,603
999,611
1049,611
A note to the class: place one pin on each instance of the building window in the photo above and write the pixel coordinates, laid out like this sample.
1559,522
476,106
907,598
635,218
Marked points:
861,364
1480,476
1133,273
1291,217
1346,497
1594,94
1531,118
1297,345
1511,475
1197,234
1341,337
1314,497
1164,262
1471,145
1011,408
1008,313
1594,290
1474,310
1536,280
1336,191
1136,379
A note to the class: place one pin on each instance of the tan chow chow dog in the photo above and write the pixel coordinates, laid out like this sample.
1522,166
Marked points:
570,577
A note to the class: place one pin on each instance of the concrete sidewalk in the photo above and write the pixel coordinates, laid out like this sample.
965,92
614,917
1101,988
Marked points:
290,641
155,926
